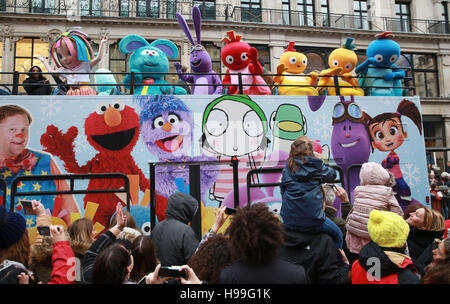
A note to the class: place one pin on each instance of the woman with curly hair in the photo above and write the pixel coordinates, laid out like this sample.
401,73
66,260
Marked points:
256,235
212,256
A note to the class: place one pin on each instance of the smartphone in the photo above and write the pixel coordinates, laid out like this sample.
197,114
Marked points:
172,271
27,207
230,210
44,230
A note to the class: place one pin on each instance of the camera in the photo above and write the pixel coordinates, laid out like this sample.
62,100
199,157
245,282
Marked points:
44,230
230,210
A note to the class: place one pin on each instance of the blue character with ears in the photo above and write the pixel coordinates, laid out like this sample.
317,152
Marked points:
150,59
379,75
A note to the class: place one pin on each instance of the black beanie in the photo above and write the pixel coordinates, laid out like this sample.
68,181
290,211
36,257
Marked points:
12,227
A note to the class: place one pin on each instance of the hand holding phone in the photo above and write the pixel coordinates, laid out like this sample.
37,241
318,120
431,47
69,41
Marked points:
44,230
27,207
229,210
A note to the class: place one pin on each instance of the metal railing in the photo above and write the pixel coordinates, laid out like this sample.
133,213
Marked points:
157,9
72,178
131,86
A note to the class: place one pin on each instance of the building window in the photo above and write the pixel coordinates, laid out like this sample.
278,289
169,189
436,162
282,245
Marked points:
25,53
425,73
305,12
360,9
1,56
403,13
445,18
433,131
325,11
263,54
286,14
147,8
2,5
251,11
90,7
171,9
207,9
124,8
41,6
214,53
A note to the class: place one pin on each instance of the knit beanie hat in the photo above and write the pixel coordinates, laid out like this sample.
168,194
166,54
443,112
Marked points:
387,229
12,227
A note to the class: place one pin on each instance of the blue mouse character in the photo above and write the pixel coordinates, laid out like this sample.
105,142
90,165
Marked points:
149,58
378,73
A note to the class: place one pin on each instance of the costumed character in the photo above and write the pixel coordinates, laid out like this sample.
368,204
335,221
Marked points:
104,79
239,57
342,62
292,64
234,128
150,59
16,160
74,54
350,141
378,74
167,131
387,134
113,130
200,60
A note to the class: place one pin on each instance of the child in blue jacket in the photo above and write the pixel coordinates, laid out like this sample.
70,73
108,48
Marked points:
302,208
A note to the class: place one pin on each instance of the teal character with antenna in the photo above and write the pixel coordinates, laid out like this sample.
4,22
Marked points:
379,75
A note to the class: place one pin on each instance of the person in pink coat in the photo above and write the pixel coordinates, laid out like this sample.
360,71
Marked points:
374,192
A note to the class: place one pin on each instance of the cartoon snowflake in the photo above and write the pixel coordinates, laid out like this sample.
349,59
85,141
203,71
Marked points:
322,127
51,107
81,144
412,174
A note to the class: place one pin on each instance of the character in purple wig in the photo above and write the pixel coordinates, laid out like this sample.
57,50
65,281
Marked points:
350,141
166,129
200,60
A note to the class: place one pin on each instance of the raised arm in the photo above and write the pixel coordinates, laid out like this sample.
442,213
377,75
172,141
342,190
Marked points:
97,59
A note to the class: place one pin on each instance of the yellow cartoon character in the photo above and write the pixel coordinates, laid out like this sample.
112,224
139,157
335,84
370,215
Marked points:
292,64
342,62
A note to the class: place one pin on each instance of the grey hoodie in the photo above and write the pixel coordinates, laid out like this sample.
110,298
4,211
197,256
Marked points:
174,240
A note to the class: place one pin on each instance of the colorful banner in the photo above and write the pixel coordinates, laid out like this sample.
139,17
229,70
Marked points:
101,134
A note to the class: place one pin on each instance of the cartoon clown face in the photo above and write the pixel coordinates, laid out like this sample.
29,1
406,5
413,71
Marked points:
234,126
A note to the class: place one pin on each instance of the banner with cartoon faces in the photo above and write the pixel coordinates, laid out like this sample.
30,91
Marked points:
102,134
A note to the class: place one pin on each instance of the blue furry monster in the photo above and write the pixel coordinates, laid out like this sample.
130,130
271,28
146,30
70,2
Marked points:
382,53
141,216
167,132
150,59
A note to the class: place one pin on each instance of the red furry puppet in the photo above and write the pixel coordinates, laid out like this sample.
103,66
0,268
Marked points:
239,57
113,131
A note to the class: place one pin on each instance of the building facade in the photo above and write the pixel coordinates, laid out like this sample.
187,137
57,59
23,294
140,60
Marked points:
421,27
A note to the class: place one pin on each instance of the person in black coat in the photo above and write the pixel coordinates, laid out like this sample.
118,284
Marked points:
174,240
256,235
36,84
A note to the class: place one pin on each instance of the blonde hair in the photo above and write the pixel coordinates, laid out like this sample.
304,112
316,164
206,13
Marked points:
433,220
301,147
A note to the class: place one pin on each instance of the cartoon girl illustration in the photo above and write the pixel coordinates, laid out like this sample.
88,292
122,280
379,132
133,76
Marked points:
234,127
74,54
387,135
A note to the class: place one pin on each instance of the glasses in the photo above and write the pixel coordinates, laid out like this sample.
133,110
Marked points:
197,47
351,111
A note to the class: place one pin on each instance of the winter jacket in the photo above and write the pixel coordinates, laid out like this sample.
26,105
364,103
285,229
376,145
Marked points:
63,267
419,240
103,241
174,240
370,194
316,252
37,87
277,271
302,195
377,265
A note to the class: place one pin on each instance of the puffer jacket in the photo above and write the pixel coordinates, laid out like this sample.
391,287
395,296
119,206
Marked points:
377,265
371,194
302,193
